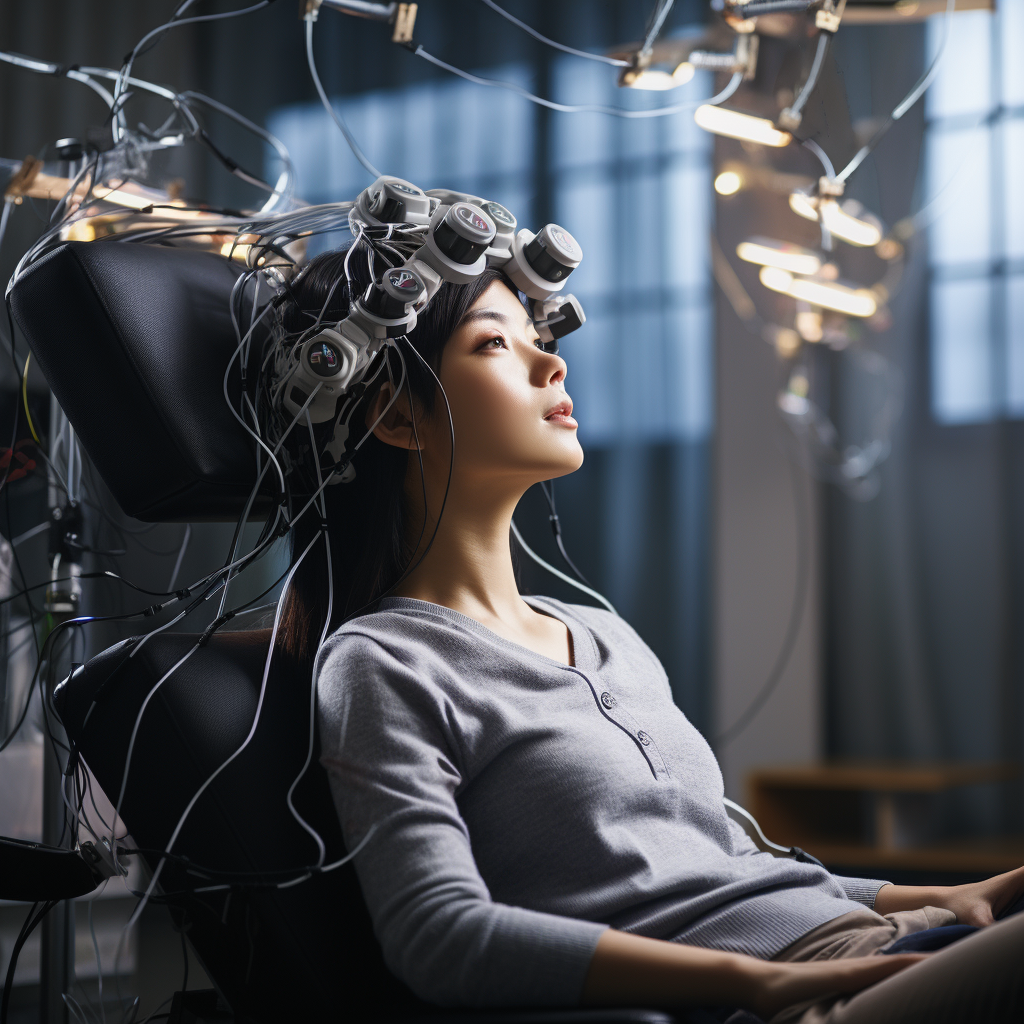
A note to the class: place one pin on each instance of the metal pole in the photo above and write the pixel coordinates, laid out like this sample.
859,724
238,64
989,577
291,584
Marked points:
61,602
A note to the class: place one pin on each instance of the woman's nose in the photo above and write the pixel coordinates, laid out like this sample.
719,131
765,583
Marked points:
550,369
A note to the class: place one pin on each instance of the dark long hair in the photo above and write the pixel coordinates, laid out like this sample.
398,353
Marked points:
365,520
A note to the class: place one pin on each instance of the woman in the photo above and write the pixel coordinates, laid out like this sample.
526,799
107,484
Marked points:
548,828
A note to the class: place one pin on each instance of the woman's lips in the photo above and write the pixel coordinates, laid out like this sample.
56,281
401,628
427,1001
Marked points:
562,414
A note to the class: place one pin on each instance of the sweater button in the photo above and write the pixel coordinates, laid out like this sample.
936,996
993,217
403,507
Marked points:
643,738
608,700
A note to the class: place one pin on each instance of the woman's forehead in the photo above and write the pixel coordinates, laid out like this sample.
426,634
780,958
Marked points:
499,304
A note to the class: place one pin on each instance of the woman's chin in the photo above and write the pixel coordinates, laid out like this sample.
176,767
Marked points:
567,460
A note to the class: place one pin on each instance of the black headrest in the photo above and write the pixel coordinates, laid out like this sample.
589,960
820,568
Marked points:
276,954
133,340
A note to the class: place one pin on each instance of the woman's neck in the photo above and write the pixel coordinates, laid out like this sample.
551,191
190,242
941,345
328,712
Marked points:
469,564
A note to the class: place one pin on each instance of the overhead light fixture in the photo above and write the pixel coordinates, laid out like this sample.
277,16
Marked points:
827,294
808,324
783,255
728,183
656,80
122,197
737,125
841,221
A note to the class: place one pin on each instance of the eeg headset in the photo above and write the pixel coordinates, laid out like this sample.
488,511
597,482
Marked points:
442,236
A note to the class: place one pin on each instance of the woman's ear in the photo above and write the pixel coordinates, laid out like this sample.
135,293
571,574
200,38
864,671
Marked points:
395,426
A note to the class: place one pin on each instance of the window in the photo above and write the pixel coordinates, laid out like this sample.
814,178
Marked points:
636,195
975,165
634,192
446,133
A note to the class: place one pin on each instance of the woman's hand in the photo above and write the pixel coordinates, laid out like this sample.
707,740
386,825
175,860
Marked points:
775,986
977,903
980,903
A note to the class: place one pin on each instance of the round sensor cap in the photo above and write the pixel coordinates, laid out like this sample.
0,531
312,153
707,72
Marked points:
323,359
471,223
560,244
403,284
501,217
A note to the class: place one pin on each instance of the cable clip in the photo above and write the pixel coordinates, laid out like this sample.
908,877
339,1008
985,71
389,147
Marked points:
101,860
213,627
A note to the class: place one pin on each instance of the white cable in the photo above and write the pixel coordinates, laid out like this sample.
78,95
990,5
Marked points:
322,850
131,741
918,91
235,562
329,107
4,217
613,61
561,575
28,534
177,618
812,76
78,76
123,76
285,187
908,101
330,476
661,12
48,68
181,555
826,163
757,828
245,743
309,874
588,108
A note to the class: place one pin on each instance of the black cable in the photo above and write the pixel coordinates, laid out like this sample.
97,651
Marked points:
800,590
556,529
101,574
31,922
184,957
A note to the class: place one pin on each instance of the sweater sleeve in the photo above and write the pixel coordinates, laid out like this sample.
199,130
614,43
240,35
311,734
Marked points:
391,754
861,890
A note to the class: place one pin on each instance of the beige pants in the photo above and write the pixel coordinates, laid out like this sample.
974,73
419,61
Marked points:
977,980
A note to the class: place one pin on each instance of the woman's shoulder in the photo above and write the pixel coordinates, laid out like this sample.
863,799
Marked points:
379,665
380,636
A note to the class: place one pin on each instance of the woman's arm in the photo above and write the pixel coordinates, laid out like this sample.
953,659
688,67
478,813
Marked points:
633,970
391,751
977,903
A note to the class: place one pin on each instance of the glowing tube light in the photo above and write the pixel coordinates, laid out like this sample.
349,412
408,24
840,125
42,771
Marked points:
654,80
739,126
836,219
124,198
827,294
769,253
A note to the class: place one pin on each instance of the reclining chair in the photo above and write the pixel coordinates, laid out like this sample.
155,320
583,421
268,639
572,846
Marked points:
142,336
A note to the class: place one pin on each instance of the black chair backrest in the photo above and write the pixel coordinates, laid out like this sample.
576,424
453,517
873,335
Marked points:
134,340
296,953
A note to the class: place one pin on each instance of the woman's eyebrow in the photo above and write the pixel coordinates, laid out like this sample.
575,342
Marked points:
486,314
475,315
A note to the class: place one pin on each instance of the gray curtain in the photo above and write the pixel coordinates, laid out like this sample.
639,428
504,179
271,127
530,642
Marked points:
923,583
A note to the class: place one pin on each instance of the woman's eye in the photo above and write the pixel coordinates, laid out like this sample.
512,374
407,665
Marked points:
495,343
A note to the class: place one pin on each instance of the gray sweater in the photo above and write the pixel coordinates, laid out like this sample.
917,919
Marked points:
522,806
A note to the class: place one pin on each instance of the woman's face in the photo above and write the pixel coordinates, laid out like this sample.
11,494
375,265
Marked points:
512,415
